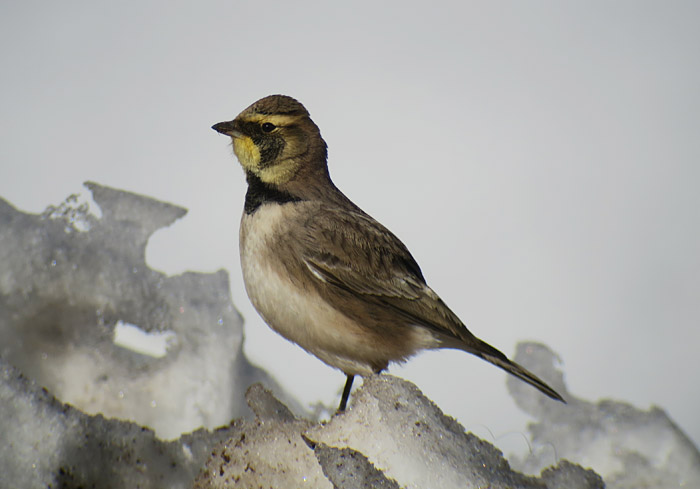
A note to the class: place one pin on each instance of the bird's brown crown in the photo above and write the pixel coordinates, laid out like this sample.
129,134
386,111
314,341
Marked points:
277,105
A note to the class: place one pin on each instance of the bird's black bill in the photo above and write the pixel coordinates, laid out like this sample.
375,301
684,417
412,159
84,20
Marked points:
224,127
346,393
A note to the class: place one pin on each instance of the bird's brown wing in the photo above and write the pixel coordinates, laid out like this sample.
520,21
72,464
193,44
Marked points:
364,267
367,273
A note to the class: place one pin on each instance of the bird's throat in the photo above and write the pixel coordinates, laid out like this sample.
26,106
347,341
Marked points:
247,153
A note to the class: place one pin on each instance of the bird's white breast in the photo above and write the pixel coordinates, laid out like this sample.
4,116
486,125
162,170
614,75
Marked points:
289,307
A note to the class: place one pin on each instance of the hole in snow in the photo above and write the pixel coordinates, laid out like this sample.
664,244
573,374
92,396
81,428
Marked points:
133,338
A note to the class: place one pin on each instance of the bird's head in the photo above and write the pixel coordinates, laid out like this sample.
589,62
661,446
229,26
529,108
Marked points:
275,140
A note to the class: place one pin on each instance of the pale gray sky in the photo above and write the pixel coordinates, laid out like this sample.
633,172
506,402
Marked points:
540,159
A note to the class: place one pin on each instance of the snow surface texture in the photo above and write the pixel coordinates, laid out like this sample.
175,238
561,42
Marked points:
629,447
47,444
392,436
67,278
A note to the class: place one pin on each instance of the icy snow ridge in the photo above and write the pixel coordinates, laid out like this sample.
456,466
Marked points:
47,444
629,447
392,436
69,280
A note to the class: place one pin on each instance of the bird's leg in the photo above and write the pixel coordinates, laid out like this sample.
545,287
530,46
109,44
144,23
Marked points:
346,393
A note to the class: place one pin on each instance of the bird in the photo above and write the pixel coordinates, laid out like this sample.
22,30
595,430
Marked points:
323,273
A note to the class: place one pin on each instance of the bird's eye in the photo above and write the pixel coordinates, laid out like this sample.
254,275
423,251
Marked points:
268,127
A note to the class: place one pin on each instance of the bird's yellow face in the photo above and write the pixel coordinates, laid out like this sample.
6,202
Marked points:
268,145
246,151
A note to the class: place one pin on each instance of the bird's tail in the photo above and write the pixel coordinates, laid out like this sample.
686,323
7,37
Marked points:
483,350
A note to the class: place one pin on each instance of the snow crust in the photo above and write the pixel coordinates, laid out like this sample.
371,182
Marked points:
408,437
269,452
47,444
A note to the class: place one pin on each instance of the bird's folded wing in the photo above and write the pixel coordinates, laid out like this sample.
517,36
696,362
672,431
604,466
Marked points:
351,250
341,275
354,253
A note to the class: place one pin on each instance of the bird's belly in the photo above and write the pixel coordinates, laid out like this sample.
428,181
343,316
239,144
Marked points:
295,311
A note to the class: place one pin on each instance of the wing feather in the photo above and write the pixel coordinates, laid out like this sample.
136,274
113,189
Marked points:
349,251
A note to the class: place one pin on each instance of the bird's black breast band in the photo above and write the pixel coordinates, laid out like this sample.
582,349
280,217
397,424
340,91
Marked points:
260,193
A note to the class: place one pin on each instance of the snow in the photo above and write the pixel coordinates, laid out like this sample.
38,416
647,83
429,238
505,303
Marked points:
407,437
628,446
47,444
269,452
392,436
349,469
72,285
135,357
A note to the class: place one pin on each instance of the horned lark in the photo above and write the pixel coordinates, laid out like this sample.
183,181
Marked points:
323,273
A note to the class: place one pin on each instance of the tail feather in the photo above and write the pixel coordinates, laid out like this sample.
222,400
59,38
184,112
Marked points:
490,354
